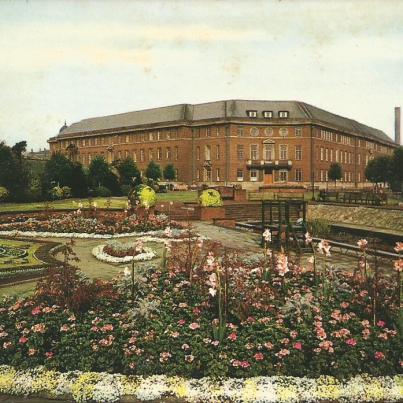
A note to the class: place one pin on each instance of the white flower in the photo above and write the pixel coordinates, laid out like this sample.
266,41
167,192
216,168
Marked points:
212,291
324,247
267,235
168,232
127,271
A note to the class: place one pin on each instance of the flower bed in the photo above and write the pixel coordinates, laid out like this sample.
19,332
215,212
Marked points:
209,313
103,387
118,252
102,224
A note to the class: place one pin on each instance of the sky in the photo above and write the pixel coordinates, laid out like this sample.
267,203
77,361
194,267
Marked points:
70,60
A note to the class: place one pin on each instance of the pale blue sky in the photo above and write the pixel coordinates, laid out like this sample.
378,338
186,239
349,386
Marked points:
77,59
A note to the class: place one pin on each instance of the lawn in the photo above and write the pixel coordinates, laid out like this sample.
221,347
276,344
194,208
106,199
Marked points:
102,202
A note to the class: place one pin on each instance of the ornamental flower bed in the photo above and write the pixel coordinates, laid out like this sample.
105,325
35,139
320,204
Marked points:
210,313
119,252
109,223
103,387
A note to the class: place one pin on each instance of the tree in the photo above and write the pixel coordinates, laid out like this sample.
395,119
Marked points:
60,171
13,175
127,170
100,174
379,169
334,172
169,172
19,148
397,170
153,171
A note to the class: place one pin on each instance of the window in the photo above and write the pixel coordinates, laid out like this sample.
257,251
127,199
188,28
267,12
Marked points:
240,151
217,151
168,153
134,156
127,138
240,131
283,175
321,175
298,175
254,131
268,131
176,152
253,175
359,177
239,175
337,156
283,114
331,155
251,114
359,159
298,132
321,153
268,114
283,132
142,155
151,136
150,154
298,153
254,152
327,154
159,153
269,152
208,132
207,153
283,152
217,174
345,157
197,152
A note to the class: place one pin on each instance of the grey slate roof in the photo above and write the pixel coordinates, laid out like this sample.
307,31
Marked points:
230,109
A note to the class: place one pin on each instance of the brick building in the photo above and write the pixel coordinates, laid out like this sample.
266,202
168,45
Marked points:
234,141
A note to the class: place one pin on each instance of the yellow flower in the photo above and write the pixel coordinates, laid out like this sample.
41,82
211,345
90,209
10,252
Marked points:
7,378
83,387
249,390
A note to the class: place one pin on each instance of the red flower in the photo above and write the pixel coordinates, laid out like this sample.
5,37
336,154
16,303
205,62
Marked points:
245,364
379,356
36,311
181,322
298,346
258,356
380,323
23,340
351,342
49,355
232,336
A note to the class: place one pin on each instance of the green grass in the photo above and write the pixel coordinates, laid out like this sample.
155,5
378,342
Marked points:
116,202
10,258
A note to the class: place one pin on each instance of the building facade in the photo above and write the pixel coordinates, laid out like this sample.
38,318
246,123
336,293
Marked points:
235,141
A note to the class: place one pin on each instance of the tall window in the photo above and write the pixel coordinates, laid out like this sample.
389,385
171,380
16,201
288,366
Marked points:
142,155
150,154
254,152
269,152
359,159
283,152
168,153
337,156
327,154
298,153
217,151
197,152
134,156
298,175
283,175
321,153
253,175
240,131
240,151
208,132
207,153
298,132
217,174
159,153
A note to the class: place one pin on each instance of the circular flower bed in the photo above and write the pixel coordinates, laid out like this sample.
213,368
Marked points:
118,252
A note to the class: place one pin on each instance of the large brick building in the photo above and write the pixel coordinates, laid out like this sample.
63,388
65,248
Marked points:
252,142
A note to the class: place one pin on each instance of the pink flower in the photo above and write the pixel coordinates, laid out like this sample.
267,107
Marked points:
165,356
380,323
282,264
232,337
379,356
194,326
181,322
22,340
258,356
36,311
324,247
268,345
7,345
185,346
344,304
399,247
65,328
49,355
298,346
398,265
245,364
362,244
107,328
283,353
32,352
351,342
189,358
39,328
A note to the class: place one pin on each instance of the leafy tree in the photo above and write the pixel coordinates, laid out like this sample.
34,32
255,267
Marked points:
379,169
18,149
153,171
100,174
128,170
397,169
169,172
13,175
60,171
334,172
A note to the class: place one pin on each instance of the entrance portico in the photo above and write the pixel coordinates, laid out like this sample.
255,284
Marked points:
268,168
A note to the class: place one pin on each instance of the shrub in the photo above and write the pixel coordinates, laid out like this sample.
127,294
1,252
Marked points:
102,191
210,198
3,193
146,196
60,192
319,227
125,189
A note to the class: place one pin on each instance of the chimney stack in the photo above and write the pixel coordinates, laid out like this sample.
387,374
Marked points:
397,125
